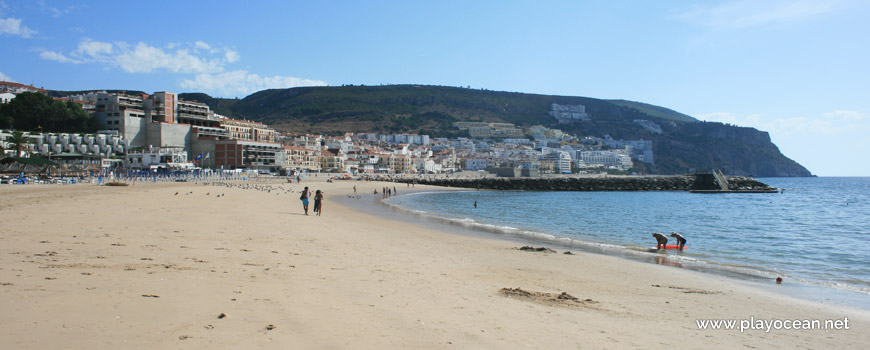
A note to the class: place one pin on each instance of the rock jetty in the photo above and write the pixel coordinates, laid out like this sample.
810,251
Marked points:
598,183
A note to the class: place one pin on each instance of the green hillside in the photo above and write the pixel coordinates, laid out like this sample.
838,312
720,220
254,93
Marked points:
223,106
656,111
420,108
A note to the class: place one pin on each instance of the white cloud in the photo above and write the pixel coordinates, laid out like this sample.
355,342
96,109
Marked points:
145,59
199,45
56,12
205,62
94,48
847,115
5,77
142,58
55,56
751,13
12,26
231,55
241,83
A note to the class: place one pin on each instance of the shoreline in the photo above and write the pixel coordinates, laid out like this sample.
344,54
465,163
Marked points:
743,274
156,270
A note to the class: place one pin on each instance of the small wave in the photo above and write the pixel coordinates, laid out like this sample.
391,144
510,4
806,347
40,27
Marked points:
846,286
701,261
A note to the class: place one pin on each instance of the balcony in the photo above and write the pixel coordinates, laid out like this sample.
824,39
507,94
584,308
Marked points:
186,107
200,116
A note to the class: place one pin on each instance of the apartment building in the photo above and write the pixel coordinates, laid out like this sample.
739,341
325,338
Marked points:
332,161
163,120
248,130
568,113
301,159
490,130
236,154
617,159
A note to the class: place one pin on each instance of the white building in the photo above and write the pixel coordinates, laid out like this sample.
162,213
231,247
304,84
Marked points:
561,161
5,97
476,163
8,86
568,113
86,144
640,150
617,159
152,158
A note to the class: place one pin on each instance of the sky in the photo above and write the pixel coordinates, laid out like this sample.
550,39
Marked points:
797,69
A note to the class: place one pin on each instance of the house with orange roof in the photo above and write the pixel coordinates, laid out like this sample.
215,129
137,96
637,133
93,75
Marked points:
16,88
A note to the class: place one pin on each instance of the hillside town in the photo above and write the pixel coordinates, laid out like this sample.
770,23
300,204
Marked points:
161,131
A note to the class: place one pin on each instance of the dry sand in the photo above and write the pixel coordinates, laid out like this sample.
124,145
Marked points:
86,267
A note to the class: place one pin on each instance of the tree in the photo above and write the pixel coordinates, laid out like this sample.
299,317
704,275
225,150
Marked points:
19,142
32,111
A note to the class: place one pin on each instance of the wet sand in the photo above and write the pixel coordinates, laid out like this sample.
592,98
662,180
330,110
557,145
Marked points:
143,267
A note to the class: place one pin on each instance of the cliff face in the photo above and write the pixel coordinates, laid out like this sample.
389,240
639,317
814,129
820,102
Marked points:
734,150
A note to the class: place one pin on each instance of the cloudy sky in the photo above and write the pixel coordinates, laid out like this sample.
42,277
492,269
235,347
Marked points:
797,69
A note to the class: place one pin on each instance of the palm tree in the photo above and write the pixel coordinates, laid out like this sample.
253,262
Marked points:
19,142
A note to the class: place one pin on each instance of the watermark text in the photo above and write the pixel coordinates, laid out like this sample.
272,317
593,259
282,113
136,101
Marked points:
772,324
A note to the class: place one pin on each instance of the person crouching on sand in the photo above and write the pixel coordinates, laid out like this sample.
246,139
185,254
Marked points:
680,239
661,239
318,202
304,198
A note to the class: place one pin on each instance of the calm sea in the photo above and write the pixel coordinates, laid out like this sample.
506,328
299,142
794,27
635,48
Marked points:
817,232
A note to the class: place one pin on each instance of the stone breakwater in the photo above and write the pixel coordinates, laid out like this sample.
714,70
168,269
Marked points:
608,183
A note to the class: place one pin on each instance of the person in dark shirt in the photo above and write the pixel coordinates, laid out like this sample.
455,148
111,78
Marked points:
318,202
680,239
661,240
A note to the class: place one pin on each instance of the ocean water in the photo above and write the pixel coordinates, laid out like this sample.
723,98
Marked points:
817,232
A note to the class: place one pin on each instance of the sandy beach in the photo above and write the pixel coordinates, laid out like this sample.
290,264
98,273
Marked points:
184,265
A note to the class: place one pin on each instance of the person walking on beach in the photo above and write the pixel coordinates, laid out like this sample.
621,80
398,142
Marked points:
354,188
662,241
680,239
304,198
318,202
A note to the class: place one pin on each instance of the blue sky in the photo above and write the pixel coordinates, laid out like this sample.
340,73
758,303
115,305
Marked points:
797,69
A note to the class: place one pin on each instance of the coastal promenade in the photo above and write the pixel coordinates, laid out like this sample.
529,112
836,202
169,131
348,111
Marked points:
238,266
